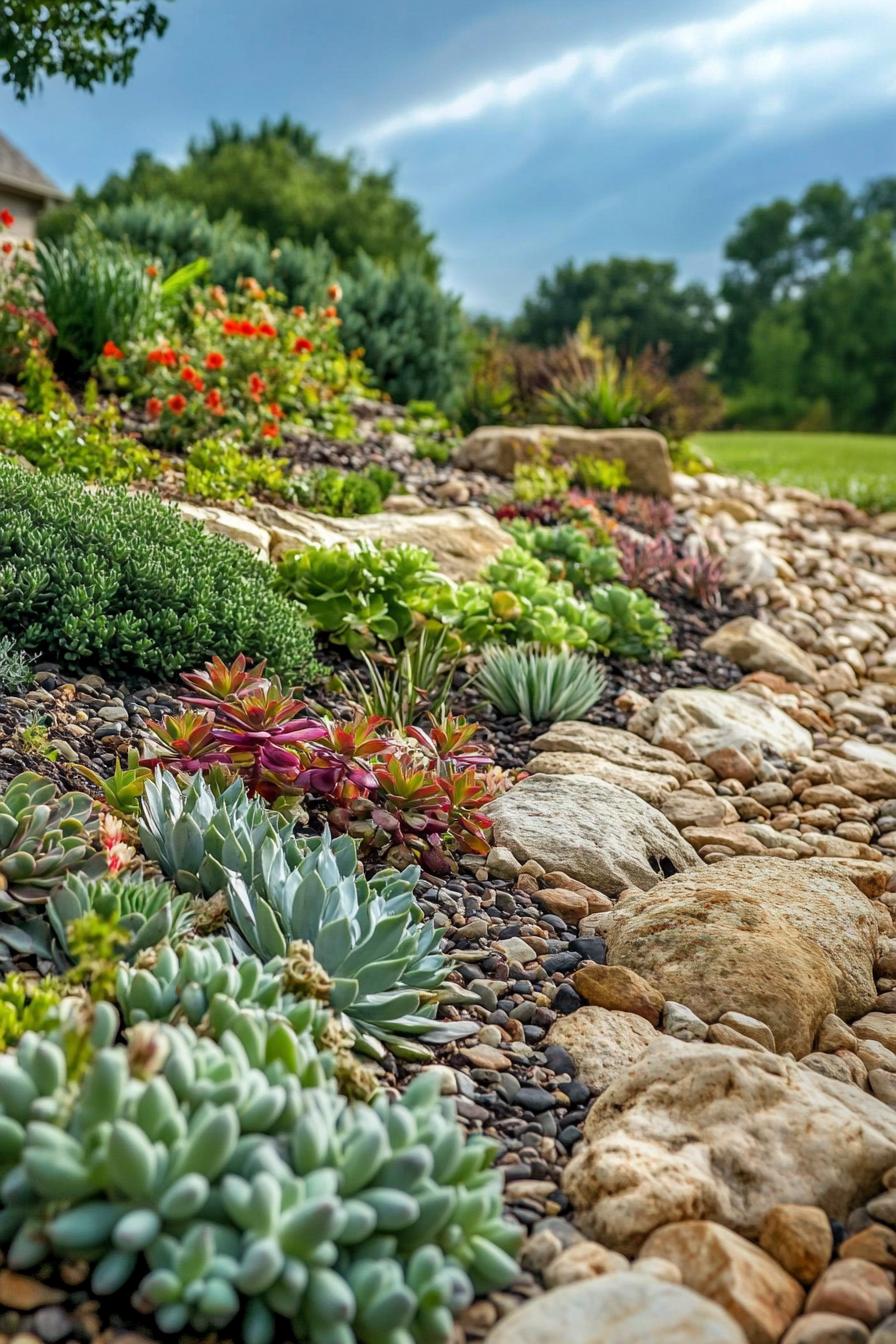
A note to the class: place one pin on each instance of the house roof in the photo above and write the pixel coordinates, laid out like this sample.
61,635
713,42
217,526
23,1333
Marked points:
16,170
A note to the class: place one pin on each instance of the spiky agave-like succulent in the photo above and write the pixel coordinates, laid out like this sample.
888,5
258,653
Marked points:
236,1181
368,936
540,685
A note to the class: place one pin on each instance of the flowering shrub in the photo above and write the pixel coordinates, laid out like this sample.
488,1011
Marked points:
24,325
244,364
416,797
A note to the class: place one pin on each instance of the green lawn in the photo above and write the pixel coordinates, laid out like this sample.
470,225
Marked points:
859,467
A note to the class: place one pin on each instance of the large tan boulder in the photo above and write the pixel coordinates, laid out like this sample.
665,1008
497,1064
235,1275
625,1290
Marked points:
646,784
591,830
697,1131
866,768
618,1309
706,720
498,448
717,1263
757,647
462,541
578,738
782,942
226,523
602,1042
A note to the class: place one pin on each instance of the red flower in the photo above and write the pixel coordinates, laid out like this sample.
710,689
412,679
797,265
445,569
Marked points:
276,410
7,247
153,408
256,386
303,346
265,329
231,326
111,351
270,431
177,404
214,360
152,272
298,311
166,357
213,401
7,219
189,375
198,383
247,329
330,312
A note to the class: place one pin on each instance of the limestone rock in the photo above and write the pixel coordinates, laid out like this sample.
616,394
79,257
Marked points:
602,1042
612,744
880,1027
589,829
865,768
228,524
584,1260
799,1237
823,1327
619,989
462,541
720,1265
854,1288
712,1132
707,719
498,448
686,808
757,647
651,787
785,943
619,1309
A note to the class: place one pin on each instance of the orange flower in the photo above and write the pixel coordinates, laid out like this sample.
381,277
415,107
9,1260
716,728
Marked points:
214,360
247,329
152,272
303,346
298,311
270,431
162,356
177,404
153,408
265,329
111,351
218,295
335,292
213,401
276,410
330,312
8,247
231,326
7,219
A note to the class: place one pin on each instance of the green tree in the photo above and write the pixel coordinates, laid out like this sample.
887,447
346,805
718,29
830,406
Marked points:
85,41
631,303
773,397
278,181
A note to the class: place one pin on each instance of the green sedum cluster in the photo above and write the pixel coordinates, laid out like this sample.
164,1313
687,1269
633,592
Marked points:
234,1184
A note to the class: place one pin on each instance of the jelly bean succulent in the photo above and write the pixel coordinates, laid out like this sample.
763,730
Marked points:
234,1187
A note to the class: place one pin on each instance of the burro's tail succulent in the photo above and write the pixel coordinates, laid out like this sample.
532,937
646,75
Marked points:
233,1186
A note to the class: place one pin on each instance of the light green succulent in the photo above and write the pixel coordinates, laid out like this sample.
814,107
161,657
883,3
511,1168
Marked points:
146,912
182,985
43,838
369,937
234,1184
540,686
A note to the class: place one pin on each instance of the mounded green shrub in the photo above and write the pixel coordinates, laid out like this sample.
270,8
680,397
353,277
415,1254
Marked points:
126,585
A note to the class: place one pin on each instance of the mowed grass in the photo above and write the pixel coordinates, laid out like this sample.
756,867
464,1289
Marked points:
858,467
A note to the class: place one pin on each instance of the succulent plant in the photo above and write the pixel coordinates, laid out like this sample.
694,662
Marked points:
369,937
540,686
234,1183
26,1004
181,985
43,838
146,912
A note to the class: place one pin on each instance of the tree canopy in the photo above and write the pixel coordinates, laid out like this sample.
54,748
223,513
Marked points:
278,180
630,303
85,41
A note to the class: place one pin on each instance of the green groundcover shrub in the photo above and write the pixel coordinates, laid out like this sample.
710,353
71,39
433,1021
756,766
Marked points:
122,583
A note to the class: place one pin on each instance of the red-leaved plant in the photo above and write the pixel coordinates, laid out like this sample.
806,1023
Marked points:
418,800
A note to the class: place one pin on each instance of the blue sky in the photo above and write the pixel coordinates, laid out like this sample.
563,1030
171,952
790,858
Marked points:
529,131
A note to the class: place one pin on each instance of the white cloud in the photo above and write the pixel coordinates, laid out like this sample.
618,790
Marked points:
783,54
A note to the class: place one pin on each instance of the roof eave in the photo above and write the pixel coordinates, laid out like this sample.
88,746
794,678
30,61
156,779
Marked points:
50,192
